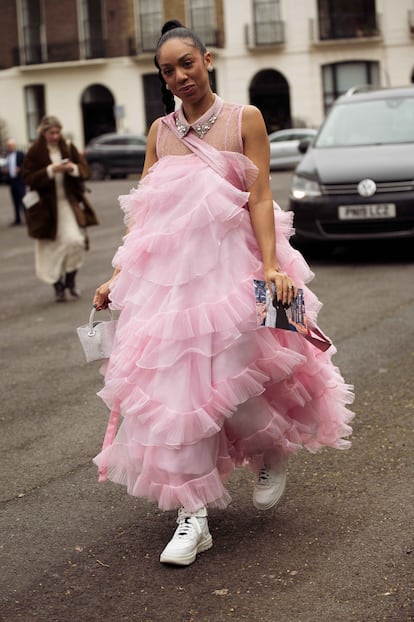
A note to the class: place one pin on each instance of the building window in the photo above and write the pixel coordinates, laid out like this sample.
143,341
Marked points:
345,19
150,21
268,27
92,25
339,77
34,99
31,13
203,20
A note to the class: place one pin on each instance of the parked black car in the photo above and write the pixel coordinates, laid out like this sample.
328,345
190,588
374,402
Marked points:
116,155
356,180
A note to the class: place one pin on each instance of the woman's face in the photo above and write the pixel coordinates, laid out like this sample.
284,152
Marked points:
52,135
185,69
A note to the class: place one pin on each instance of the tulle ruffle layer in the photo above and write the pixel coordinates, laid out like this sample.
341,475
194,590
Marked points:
200,388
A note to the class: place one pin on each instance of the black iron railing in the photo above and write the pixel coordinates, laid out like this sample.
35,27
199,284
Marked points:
345,25
61,52
95,48
269,33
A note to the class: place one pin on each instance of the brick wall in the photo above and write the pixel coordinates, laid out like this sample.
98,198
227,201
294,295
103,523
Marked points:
175,9
120,20
8,34
61,30
62,34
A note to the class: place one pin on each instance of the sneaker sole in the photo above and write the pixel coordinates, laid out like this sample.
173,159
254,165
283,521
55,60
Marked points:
188,559
273,502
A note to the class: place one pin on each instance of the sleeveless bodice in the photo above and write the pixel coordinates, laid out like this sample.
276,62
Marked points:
224,135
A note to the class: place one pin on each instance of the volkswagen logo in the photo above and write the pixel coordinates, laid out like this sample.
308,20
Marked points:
367,187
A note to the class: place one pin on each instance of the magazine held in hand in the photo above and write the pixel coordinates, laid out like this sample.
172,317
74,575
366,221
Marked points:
272,314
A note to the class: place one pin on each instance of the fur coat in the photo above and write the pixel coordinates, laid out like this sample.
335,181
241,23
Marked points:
35,176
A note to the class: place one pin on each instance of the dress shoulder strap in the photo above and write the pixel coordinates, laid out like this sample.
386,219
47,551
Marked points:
206,152
233,166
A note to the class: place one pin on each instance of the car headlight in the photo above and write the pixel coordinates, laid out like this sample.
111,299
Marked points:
303,187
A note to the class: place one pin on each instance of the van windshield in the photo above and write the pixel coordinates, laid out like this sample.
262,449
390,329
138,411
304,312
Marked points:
374,122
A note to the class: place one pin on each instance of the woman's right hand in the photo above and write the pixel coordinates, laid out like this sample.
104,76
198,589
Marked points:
65,166
101,297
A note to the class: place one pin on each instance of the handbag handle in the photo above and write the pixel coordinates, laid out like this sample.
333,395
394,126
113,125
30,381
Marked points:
92,331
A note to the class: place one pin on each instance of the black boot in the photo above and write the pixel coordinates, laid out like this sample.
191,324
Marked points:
70,284
59,287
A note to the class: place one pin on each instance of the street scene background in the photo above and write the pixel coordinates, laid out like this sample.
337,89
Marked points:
340,545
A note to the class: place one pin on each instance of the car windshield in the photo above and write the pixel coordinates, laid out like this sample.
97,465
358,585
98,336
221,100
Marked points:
374,122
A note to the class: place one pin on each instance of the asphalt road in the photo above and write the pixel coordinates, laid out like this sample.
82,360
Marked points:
340,546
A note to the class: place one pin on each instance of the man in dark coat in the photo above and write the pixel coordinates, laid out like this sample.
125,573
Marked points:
14,160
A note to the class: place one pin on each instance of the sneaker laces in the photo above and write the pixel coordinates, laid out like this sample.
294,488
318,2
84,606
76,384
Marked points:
185,525
264,476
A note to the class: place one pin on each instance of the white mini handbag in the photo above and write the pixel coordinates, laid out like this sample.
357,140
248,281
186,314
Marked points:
97,337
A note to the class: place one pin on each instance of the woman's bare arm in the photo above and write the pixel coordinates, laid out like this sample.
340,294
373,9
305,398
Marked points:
257,149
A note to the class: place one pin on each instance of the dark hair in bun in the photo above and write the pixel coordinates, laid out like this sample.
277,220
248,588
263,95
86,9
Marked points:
173,29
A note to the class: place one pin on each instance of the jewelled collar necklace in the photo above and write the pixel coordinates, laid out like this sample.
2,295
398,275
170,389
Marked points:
203,124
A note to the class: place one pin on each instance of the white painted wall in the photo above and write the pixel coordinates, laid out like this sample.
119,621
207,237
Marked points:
299,60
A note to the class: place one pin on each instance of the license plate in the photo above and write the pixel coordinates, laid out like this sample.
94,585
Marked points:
363,212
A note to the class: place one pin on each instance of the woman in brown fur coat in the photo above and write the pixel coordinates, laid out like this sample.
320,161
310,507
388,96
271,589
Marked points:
55,169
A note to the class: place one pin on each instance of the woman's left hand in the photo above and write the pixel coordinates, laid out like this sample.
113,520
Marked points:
101,297
281,284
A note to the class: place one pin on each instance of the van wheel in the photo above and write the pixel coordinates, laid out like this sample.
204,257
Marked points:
97,171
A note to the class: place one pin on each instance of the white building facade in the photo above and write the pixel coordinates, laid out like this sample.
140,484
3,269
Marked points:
291,58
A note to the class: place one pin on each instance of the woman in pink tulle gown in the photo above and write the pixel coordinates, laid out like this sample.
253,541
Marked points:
199,387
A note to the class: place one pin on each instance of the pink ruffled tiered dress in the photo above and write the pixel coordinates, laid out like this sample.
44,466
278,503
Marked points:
200,389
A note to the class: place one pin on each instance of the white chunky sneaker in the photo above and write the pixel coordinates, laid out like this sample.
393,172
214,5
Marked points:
191,537
270,486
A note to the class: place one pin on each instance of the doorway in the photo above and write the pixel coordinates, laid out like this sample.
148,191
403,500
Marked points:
269,91
98,112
